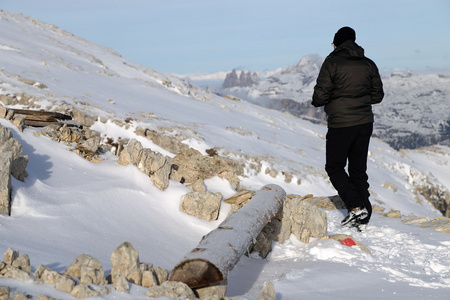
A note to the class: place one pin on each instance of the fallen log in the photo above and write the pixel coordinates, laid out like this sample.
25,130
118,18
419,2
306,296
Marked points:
41,115
41,118
220,250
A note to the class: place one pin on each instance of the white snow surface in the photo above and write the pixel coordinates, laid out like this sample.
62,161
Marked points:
68,206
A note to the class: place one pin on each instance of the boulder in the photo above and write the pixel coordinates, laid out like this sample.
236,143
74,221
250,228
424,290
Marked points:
87,269
300,218
125,263
203,205
156,166
131,154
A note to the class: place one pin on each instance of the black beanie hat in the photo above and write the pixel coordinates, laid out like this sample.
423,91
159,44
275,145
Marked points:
344,34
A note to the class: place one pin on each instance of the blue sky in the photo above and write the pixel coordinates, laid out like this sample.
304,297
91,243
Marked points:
208,36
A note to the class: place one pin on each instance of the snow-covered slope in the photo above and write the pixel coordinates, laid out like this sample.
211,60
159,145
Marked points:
68,206
413,114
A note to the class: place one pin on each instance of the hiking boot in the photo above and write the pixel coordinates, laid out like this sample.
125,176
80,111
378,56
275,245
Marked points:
356,215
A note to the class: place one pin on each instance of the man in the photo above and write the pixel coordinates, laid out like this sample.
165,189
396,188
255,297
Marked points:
348,84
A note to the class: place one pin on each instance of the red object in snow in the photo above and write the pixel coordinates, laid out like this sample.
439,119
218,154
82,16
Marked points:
348,242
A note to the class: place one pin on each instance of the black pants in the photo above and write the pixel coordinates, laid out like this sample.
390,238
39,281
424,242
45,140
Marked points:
349,144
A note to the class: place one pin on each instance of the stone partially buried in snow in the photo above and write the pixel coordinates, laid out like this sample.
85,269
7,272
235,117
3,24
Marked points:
203,205
191,165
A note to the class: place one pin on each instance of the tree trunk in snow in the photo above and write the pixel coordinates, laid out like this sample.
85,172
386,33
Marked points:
220,250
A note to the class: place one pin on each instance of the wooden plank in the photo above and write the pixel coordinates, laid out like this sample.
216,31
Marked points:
220,250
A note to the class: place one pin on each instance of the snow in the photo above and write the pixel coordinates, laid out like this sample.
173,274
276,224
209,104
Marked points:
68,206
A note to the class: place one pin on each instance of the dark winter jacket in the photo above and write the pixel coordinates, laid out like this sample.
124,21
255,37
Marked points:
348,84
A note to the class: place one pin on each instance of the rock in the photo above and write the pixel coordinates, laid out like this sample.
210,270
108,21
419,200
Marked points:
4,290
19,162
15,273
308,221
162,275
170,143
22,263
19,121
377,208
191,165
262,245
125,263
83,118
334,202
268,292
5,183
416,220
439,224
161,168
131,154
10,114
121,284
61,282
300,218
203,205
3,111
172,289
393,214
388,185
84,291
87,269
212,292
240,198
149,278
10,256
19,296
197,186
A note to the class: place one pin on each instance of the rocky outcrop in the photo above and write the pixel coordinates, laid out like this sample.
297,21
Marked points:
244,79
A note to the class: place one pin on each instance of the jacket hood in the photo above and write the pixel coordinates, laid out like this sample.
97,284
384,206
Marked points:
348,49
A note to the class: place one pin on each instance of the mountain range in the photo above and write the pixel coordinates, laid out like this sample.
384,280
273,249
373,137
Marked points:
413,114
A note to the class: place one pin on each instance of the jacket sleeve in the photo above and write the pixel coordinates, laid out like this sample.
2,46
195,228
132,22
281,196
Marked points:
376,90
323,87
